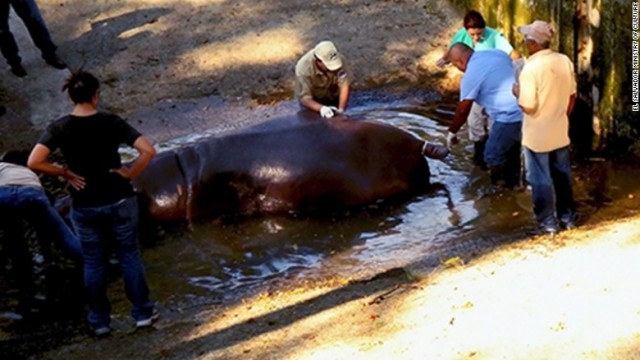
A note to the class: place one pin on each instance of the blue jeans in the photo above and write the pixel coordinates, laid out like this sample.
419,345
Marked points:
502,152
504,140
29,12
97,227
549,174
32,204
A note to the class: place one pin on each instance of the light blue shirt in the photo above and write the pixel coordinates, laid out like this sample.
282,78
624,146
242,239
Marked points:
488,81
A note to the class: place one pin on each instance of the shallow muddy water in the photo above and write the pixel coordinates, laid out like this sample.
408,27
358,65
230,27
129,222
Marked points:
225,259
222,260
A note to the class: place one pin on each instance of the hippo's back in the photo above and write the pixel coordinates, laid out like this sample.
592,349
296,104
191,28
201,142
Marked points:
297,163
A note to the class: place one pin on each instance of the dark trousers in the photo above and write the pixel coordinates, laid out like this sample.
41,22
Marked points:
29,13
30,204
502,152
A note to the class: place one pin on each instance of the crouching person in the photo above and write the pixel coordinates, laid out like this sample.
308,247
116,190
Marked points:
22,197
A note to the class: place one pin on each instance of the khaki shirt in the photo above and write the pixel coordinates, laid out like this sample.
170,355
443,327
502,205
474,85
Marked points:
322,87
546,83
12,174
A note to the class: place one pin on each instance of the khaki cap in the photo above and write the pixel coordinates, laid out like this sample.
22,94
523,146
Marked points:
539,30
326,52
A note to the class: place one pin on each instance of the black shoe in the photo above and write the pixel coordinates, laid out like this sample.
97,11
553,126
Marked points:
544,230
550,230
145,323
433,151
101,331
55,61
18,70
568,224
496,173
512,182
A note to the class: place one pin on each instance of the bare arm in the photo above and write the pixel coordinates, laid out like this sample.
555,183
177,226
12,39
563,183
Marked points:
527,110
309,103
462,112
38,163
146,153
572,102
443,61
344,98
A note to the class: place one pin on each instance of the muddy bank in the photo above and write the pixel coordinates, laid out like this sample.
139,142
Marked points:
150,53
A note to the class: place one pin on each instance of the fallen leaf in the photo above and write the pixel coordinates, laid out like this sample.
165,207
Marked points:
454,261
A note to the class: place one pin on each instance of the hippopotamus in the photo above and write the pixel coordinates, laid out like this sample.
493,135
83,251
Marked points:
297,163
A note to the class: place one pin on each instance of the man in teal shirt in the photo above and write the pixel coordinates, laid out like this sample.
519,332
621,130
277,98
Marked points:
478,36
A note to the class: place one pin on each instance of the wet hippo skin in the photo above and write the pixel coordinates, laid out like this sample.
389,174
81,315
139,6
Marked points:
301,163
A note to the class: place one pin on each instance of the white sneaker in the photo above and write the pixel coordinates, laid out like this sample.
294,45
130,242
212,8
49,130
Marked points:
149,321
102,331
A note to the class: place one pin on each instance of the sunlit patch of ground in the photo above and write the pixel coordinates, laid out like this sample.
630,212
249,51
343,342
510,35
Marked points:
570,297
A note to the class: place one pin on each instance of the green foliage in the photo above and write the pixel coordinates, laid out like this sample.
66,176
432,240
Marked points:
613,74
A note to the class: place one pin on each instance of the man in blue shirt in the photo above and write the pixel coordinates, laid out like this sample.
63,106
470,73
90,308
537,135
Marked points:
477,35
488,80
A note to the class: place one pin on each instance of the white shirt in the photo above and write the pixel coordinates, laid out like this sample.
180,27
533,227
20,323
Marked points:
12,174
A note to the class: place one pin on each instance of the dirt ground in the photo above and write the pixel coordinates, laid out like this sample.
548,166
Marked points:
244,53
572,296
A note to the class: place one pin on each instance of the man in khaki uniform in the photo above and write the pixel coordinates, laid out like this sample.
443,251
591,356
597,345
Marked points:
323,80
546,94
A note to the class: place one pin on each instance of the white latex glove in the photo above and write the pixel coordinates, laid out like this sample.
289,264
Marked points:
336,111
452,139
327,112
